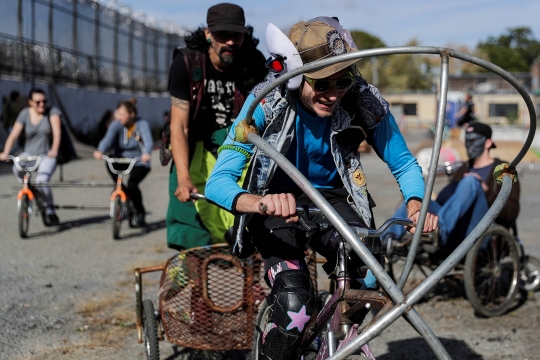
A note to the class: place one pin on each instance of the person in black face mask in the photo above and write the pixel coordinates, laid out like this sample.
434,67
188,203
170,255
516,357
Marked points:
466,199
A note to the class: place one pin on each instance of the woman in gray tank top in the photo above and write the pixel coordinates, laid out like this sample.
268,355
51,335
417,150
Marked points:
38,124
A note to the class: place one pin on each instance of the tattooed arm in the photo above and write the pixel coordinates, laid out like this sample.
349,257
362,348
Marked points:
180,148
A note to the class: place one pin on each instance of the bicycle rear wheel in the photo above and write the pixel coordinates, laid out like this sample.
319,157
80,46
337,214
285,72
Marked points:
24,216
116,217
150,331
492,272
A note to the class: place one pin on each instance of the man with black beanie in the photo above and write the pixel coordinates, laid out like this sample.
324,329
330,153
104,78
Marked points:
208,82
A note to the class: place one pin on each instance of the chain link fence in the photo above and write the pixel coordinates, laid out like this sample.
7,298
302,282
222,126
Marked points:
90,43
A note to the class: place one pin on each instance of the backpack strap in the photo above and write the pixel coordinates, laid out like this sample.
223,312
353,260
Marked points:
196,65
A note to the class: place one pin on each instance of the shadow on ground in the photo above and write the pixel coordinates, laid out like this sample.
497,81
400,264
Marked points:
182,353
418,349
63,226
151,227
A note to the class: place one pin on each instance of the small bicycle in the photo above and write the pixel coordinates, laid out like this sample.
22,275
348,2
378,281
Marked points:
120,203
343,311
28,193
208,300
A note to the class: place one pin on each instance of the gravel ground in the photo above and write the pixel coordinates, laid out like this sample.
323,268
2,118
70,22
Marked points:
67,292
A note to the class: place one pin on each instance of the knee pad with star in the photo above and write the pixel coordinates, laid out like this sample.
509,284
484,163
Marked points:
293,303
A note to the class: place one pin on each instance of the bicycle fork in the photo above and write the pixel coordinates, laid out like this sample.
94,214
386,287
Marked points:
26,191
118,192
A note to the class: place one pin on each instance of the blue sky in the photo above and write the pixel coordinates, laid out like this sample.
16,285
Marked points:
432,22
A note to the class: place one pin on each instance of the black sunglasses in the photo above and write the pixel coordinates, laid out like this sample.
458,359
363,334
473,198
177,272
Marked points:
40,101
321,85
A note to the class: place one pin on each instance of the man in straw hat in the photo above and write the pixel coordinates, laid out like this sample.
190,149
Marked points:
318,127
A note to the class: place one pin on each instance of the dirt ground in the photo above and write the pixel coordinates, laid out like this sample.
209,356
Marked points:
67,292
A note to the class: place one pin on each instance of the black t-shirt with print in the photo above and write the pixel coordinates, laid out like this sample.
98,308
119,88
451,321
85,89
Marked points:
216,109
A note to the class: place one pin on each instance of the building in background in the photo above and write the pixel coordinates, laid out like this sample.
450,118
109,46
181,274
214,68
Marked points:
496,101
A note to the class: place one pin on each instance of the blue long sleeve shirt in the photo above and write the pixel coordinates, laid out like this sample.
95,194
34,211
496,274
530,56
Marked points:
312,145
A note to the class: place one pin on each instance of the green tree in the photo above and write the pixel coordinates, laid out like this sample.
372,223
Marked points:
364,40
394,72
408,72
514,50
370,66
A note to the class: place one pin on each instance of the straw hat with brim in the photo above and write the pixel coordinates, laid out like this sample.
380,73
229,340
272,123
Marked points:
318,40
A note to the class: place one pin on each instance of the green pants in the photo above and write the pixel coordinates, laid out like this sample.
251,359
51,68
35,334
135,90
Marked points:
195,224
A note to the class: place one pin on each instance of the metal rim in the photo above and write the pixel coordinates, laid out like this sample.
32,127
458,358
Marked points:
491,272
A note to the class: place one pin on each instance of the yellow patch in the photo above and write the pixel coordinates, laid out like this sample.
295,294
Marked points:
359,178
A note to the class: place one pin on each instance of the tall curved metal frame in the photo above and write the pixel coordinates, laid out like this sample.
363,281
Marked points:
404,304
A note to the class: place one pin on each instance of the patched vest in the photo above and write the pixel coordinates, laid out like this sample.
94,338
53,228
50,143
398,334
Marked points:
355,117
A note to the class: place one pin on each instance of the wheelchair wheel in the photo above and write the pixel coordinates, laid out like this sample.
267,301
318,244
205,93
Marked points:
24,216
116,217
531,274
150,332
262,320
491,273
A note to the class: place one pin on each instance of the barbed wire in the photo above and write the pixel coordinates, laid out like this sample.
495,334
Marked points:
111,7
25,57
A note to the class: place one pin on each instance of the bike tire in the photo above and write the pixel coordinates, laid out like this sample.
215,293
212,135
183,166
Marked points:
491,273
263,316
531,268
150,333
24,216
117,217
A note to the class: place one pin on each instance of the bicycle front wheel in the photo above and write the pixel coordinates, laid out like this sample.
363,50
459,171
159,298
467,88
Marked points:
117,217
24,216
263,317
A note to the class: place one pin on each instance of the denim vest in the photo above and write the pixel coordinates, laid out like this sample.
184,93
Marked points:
365,109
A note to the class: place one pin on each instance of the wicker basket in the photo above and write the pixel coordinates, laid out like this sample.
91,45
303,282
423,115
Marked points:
208,299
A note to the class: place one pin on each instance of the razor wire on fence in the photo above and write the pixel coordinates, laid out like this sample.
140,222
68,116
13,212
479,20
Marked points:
86,42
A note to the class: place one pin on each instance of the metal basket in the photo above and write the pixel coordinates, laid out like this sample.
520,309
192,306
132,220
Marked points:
208,299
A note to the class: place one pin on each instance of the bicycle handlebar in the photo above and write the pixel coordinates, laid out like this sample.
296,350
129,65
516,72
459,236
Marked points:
313,210
111,161
18,160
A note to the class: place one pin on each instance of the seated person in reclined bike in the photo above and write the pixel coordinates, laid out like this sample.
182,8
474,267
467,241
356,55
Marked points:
318,125
462,203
